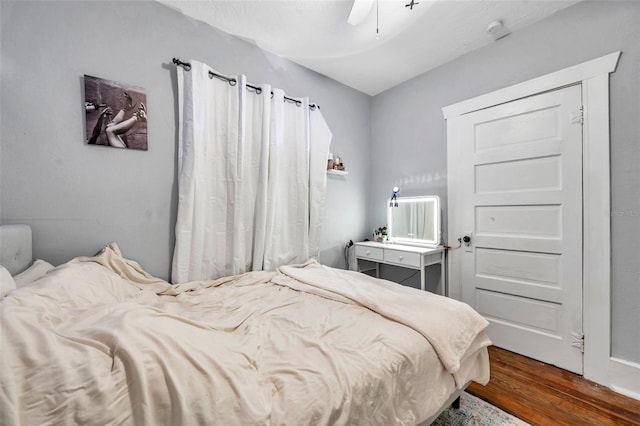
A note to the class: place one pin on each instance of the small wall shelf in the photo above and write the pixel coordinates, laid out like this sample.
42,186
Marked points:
337,172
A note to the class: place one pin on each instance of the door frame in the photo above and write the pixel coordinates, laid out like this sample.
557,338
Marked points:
593,76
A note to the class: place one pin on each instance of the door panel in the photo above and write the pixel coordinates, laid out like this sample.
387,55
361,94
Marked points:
530,174
526,221
518,128
527,313
518,266
522,186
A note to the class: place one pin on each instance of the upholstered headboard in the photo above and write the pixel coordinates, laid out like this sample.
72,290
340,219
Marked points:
15,247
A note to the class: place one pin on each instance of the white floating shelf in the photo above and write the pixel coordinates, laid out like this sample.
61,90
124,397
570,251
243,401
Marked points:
337,172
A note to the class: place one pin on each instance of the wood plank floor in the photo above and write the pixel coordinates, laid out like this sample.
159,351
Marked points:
542,394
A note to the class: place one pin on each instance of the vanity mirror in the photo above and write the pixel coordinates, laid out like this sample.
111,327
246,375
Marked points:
414,220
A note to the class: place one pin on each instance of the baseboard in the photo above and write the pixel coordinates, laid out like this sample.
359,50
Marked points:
624,377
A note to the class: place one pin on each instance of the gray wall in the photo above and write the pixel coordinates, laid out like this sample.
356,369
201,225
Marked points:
78,197
409,132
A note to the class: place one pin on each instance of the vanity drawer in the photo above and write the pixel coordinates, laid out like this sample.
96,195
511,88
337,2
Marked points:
402,258
373,253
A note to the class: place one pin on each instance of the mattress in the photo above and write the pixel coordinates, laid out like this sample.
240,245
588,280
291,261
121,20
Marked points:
100,341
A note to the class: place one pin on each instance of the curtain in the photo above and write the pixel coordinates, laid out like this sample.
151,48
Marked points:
251,177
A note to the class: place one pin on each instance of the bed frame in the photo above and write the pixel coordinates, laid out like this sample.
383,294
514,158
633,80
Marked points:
453,401
15,247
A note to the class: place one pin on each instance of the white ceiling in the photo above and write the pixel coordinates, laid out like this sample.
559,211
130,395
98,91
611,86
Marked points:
315,33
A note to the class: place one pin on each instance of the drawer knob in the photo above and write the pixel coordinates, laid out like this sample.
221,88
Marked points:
368,252
400,258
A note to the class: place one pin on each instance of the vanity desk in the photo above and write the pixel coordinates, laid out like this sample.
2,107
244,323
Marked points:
405,256
414,230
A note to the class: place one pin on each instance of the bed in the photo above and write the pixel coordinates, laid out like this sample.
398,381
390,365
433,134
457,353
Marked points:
98,340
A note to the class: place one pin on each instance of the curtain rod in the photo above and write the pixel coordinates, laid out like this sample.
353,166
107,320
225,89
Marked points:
232,81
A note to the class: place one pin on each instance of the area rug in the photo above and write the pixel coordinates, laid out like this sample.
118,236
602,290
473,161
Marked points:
476,412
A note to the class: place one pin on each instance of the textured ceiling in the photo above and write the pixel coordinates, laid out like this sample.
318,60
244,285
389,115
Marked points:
315,33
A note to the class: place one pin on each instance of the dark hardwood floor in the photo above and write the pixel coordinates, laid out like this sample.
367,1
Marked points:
542,394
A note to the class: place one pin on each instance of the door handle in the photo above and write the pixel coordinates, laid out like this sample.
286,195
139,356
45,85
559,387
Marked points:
466,241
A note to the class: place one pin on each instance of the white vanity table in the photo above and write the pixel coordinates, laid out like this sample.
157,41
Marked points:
411,257
414,228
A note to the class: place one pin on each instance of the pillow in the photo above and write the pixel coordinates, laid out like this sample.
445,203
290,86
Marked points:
6,282
33,272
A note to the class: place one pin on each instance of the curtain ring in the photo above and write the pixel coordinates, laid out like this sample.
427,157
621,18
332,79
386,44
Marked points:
258,90
232,82
211,75
298,103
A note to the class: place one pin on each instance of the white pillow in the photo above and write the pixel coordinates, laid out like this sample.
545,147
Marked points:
6,282
33,272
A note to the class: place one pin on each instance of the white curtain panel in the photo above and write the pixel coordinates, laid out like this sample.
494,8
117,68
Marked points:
251,178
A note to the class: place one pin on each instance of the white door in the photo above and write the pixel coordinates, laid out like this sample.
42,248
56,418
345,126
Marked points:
521,170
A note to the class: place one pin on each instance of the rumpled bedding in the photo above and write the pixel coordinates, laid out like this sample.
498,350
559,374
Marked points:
100,341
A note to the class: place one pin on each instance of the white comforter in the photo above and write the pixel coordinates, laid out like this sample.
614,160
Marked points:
100,341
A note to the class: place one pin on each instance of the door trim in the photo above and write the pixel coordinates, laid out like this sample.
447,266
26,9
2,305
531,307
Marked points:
594,77
565,77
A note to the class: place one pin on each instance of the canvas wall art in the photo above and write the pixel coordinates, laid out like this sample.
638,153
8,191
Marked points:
116,114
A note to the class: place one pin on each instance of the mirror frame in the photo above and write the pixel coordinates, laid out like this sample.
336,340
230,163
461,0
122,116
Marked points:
437,224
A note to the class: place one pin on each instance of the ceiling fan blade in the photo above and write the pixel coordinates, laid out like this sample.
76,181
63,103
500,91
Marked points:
359,11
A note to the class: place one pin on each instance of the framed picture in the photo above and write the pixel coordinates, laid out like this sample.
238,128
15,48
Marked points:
116,114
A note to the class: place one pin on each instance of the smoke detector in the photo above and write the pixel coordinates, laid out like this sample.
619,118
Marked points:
497,30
